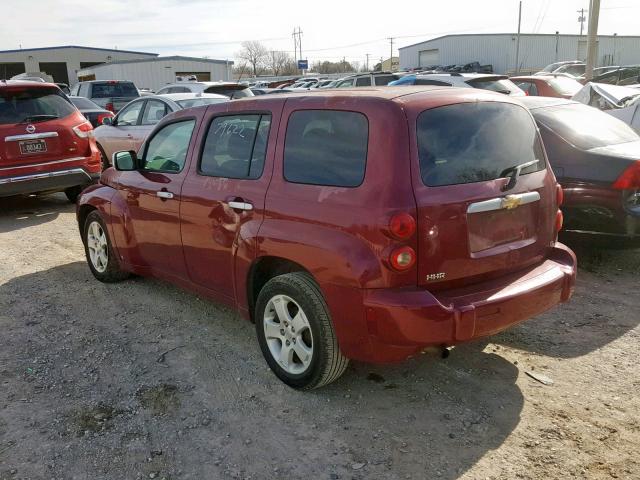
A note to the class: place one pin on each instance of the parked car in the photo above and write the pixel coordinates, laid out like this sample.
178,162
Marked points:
323,83
596,159
92,112
112,95
627,76
618,101
366,80
270,91
228,89
337,244
547,85
574,70
47,145
494,83
552,67
128,129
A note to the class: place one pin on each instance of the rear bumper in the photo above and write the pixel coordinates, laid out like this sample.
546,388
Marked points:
50,181
401,322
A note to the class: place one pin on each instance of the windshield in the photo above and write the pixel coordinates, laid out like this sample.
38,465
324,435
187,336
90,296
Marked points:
583,126
32,105
500,86
476,142
114,89
565,86
196,102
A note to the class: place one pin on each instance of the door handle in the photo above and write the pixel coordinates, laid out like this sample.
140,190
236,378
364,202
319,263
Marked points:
164,195
240,205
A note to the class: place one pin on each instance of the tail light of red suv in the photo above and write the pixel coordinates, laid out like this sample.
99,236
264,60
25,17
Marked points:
83,130
402,226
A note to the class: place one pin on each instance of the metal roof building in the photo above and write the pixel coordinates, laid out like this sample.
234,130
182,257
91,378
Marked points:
154,73
536,50
62,62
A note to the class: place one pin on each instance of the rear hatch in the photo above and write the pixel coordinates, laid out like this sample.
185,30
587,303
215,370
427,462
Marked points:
471,227
496,83
113,94
33,125
231,90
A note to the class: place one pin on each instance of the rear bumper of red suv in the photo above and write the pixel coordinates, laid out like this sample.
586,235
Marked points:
401,322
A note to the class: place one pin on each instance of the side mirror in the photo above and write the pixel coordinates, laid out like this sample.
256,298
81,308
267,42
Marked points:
125,161
107,121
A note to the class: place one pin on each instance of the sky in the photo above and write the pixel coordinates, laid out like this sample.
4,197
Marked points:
331,29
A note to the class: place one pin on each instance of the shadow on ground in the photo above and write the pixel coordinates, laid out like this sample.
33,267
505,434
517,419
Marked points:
602,309
85,365
29,211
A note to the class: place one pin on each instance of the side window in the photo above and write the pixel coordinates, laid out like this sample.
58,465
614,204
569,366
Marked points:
610,78
363,82
384,79
326,147
236,146
346,83
426,81
74,90
84,90
529,88
167,150
130,114
177,90
153,112
630,76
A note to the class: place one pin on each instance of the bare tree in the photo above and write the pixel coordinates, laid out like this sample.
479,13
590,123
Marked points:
278,62
255,54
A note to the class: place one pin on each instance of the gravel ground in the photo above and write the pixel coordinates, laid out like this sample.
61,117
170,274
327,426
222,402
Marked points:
143,380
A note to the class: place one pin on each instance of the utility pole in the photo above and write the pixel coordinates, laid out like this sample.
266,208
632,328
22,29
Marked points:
391,39
592,38
367,61
297,44
581,19
518,39
557,39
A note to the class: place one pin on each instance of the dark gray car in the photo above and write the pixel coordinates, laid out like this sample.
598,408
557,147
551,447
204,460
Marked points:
111,95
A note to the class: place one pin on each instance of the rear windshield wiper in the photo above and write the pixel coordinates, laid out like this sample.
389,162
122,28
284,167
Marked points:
38,118
512,173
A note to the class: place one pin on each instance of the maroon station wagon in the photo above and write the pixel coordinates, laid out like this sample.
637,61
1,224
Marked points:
360,224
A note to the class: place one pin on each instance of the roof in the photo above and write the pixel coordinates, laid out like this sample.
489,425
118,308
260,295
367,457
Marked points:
77,46
510,35
161,59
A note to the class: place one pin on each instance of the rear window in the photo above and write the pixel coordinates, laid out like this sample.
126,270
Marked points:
565,86
501,86
326,147
585,127
475,142
33,105
84,103
231,91
113,89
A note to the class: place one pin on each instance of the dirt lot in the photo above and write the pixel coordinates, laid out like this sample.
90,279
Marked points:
142,380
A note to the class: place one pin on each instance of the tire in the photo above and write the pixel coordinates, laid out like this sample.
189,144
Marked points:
103,159
105,266
73,193
312,357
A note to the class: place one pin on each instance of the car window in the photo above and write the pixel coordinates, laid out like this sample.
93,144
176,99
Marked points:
167,150
475,142
630,76
426,81
84,103
231,91
363,82
326,147
178,90
610,78
153,112
585,127
500,86
345,83
33,105
129,115
529,88
75,89
384,79
84,89
236,146
113,89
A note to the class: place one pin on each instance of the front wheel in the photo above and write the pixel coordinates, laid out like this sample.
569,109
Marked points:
99,252
295,332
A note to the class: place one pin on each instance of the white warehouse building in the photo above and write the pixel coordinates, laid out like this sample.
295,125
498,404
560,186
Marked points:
536,51
154,73
63,62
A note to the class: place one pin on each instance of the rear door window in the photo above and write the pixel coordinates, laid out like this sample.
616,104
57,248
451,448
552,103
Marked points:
385,79
363,82
153,112
236,146
326,147
476,142
33,105
113,89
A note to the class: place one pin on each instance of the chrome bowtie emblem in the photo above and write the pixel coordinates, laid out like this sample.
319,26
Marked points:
511,201
31,128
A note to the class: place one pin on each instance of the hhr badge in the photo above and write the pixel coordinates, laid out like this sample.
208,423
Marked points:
436,276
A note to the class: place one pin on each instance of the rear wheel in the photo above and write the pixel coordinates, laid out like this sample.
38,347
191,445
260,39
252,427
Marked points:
99,252
295,332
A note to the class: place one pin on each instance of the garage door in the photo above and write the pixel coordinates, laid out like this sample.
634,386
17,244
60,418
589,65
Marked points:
429,57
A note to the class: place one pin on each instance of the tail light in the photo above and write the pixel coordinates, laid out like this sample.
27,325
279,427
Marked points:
402,226
559,195
109,106
559,220
84,130
402,258
630,178
102,116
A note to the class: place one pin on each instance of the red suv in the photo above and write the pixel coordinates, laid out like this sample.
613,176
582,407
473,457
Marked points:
46,145
347,224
